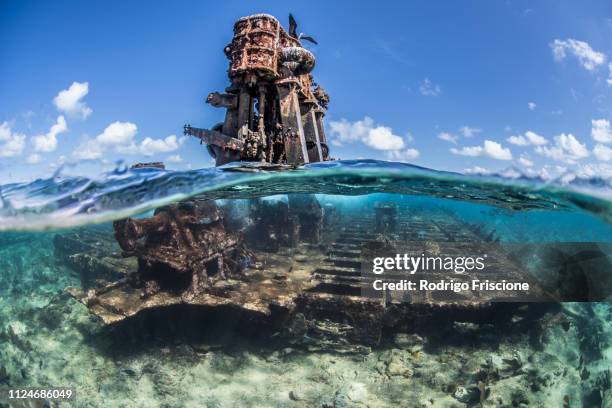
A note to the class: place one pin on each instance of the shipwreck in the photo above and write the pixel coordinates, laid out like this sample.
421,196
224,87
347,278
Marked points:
293,265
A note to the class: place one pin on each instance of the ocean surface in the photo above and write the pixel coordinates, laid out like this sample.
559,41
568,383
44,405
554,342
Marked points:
49,339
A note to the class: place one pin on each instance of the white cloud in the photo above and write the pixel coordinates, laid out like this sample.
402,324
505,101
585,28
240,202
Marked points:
495,151
587,56
528,139
467,131
118,134
609,80
478,170
531,106
34,158
403,155
175,158
490,149
428,88
518,140
70,101
345,131
377,137
511,173
594,170
603,153
544,173
11,143
525,162
472,151
149,146
88,150
566,149
48,141
448,137
382,138
601,130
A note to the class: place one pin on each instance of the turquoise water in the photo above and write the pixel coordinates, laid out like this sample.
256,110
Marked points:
47,338
63,200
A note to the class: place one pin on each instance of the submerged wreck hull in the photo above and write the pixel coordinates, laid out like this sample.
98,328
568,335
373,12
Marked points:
317,284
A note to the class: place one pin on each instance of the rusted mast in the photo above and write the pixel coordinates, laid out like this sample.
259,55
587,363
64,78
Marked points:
274,111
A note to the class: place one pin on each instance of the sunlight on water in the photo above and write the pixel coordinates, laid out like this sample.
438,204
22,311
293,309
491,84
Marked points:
65,201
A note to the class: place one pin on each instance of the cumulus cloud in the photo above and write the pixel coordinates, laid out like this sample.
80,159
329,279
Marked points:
149,146
403,155
175,158
121,137
528,139
429,88
490,149
601,131
603,153
531,106
382,138
525,162
467,131
88,150
587,56
478,170
11,143
448,137
377,137
566,149
48,141
593,170
70,101
118,134
481,171
34,158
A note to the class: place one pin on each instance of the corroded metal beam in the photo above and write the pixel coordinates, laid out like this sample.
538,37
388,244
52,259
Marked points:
214,138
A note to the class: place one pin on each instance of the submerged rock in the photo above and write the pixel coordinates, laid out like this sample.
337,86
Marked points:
410,342
396,367
467,395
472,394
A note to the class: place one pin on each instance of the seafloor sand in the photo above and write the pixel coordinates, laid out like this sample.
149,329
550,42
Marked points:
48,339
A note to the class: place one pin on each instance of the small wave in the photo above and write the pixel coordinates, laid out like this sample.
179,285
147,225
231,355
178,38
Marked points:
68,201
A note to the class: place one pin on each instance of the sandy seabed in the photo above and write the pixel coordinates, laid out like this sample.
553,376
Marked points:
48,339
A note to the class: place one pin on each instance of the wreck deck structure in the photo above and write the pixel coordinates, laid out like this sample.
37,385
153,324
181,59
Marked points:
319,283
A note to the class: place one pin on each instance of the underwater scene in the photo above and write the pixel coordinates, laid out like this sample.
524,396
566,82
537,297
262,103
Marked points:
244,286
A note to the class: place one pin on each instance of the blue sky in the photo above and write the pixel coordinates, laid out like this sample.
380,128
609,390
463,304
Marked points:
469,86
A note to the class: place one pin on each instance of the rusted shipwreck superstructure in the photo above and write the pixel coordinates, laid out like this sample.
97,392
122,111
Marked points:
274,109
